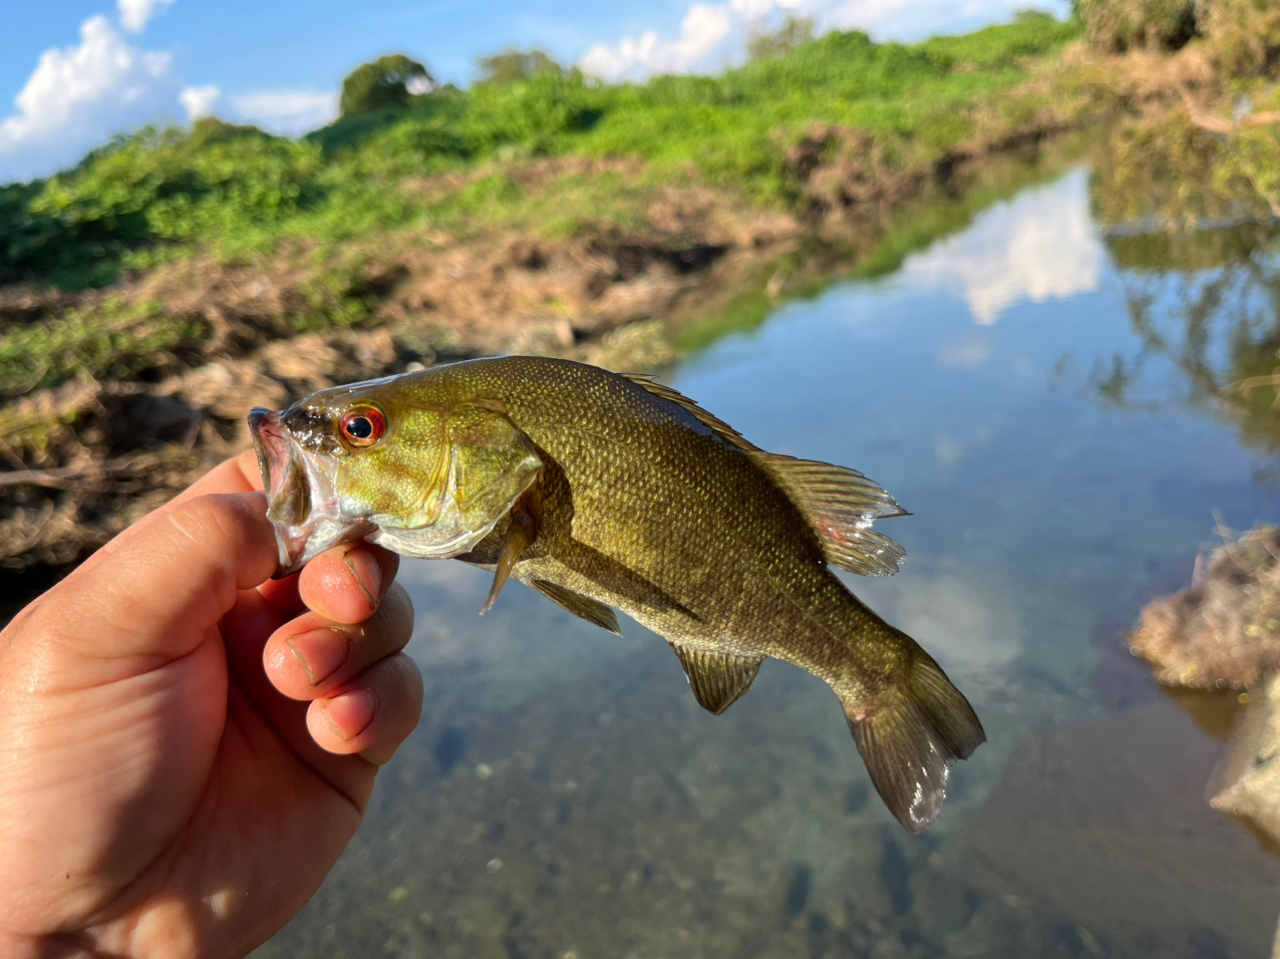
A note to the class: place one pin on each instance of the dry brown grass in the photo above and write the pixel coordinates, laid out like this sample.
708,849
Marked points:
1223,631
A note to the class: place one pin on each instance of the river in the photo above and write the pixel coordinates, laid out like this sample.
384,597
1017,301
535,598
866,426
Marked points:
565,797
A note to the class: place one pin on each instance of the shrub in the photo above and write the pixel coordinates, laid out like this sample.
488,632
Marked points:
1119,25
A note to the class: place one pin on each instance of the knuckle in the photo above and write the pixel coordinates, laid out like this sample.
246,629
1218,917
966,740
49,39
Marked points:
205,520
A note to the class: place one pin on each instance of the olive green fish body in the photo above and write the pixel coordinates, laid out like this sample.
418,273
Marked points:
643,502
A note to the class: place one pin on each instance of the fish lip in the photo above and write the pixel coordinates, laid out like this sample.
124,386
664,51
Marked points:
324,525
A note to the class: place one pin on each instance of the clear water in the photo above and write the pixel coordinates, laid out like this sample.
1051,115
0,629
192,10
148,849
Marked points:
565,796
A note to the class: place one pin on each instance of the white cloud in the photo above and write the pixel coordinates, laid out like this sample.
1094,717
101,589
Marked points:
713,37
135,14
1040,246
78,97
199,101
287,112
703,32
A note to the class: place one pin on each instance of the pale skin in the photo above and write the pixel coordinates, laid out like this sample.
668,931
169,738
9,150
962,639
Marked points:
186,746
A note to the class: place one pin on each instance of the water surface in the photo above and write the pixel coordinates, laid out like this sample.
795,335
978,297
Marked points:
566,797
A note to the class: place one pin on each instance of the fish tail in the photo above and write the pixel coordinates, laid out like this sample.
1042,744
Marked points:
910,738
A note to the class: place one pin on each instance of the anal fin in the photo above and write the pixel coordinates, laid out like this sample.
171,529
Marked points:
584,607
526,518
718,680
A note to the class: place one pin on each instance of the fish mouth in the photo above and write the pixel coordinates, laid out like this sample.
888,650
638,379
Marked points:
302,498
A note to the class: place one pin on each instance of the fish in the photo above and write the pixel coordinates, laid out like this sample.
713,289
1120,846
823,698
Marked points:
607,491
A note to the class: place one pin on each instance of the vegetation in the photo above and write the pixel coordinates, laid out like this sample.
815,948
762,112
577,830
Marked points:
511,66
233,190
1120,25
1213,155
383,84
794,33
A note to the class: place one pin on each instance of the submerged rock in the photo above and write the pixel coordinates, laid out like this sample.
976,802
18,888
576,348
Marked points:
1225,629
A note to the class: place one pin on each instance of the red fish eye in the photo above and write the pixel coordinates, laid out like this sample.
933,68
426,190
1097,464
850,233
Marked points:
363,426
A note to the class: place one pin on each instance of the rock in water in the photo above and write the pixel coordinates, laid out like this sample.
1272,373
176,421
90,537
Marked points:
1247,785
1225,629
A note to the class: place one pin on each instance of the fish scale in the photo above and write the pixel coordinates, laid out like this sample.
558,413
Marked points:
603,490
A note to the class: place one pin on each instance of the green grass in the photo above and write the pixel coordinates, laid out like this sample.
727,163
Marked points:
115,340
234,192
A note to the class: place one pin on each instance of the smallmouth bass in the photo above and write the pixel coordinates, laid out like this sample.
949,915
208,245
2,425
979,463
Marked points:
603,490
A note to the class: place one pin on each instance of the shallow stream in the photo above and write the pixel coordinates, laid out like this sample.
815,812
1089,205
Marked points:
1035,395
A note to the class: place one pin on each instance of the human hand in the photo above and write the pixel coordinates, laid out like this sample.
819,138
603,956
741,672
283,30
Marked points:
161,793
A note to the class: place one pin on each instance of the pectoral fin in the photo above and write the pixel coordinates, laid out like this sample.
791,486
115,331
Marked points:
840,505
581,606
526,517
717,679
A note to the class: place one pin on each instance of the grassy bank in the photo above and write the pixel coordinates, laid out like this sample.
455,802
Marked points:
451,160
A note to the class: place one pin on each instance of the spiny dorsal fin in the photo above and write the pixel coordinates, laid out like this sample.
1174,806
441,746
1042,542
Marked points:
526,519
910,739
840,504
581,606
717,679
718,426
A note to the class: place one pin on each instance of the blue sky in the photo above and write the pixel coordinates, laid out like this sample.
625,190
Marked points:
74,72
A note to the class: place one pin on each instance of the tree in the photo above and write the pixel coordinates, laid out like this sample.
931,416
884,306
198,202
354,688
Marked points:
795,32
512,65
385,83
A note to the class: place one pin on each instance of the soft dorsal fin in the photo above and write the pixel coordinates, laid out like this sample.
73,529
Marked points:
718,426
717,679
840,504
584,607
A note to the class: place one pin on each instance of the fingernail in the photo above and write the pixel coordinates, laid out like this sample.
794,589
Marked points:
351,713
367,573
320,652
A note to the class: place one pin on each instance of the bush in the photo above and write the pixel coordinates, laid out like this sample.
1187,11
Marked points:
1119,25
1244,34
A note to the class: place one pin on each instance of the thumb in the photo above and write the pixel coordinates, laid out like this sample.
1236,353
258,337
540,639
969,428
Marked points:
156,590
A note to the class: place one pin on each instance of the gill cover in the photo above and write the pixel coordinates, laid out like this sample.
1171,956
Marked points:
484,465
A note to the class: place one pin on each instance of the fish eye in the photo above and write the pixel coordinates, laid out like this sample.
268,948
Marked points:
363,426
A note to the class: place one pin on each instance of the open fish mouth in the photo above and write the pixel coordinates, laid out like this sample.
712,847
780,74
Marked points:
302,499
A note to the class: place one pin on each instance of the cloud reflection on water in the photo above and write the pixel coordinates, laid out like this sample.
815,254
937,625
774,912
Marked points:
1041,245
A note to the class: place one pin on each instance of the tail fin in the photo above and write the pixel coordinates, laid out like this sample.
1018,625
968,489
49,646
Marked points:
912,738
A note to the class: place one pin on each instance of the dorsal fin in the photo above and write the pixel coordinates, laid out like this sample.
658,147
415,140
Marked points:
584,607
840,504
717,679
718,426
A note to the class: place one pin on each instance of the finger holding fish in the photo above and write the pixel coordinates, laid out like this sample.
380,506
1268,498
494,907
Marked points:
347,582
312,656
373,714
